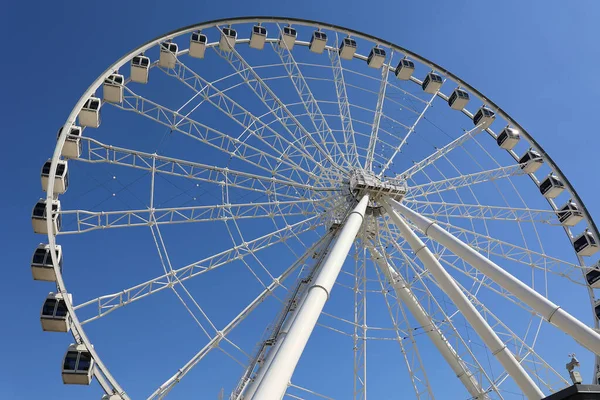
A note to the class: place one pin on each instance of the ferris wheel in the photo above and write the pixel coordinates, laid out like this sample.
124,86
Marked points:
257,182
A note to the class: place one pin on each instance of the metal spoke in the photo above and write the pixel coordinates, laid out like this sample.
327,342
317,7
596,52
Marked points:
224,103
108,303
465,180
287,119
343,104
310,103
410,353
441,152
230,145
412,129
476,211
385,71
216,339
86,221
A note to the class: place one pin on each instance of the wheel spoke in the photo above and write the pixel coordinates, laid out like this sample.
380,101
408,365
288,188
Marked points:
249,122
464,181
273,103
385,71
343,104
86,221
214,341
228,144
108,303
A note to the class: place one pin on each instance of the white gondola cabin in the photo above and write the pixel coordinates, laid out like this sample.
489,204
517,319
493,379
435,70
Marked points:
569,214
376,57
72,146
592,276
61,179
432,83
597,310
508,138
38,217
531,161
551,187
112,89
198,45
90,113
287,39
168,55
228,38
585,244
140,66
484,117
42,268
78,365
347,48
258,37
318,41
458,99
404,69
54,316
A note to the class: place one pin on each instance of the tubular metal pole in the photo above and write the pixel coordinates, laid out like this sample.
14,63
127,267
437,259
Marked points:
468,310
253,386
558,317
279,372
404,293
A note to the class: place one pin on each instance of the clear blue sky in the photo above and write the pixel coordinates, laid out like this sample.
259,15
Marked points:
538,60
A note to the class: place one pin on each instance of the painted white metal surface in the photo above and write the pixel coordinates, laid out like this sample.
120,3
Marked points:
546,308
279,373
442,344
189,29
466,307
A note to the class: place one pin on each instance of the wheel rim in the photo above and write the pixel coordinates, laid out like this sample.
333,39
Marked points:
322,181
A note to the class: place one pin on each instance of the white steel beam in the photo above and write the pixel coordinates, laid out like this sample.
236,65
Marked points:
95,152
551,312
343,104
465,180
279,373
468,310
251,123
85,220
268,97
249,383
385,71
220,335
311,105
410,131
266,364
441,152
108,303
404,293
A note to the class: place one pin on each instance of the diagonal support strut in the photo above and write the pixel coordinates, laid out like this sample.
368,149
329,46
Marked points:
468,310
277,377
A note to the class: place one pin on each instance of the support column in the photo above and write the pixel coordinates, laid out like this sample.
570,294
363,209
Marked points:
262,370
558,317
278,374
406,295
468,310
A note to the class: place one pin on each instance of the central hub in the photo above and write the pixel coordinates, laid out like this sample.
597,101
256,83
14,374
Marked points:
366,182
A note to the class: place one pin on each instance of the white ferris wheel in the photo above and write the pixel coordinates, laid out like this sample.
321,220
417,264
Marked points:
258,182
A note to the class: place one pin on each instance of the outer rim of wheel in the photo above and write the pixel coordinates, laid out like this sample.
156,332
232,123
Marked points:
112,386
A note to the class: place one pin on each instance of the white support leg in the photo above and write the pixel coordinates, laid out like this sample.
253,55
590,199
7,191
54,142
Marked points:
277,376
468,310
266,364
558,317
405,294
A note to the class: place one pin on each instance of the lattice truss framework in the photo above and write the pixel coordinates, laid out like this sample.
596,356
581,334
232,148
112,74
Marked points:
239,165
